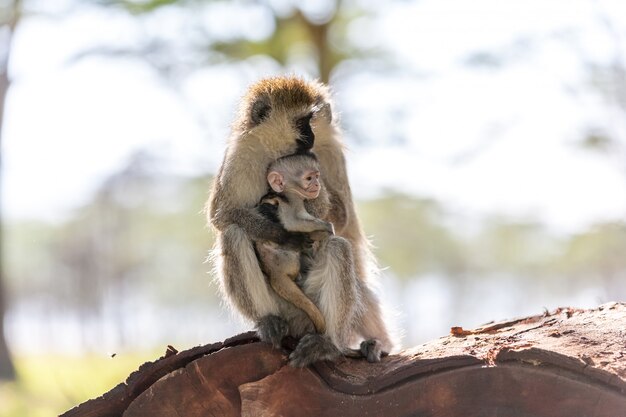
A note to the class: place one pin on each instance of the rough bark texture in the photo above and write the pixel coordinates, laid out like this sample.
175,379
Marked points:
566,363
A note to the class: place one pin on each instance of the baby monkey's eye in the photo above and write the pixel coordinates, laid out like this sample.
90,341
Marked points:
309,178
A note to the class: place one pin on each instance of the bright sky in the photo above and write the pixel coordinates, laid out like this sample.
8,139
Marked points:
481,140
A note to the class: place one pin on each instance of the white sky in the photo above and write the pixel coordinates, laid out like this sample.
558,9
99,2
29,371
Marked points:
69,125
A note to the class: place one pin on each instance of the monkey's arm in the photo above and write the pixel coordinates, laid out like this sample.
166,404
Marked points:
295,218
259,228
230,205
304,222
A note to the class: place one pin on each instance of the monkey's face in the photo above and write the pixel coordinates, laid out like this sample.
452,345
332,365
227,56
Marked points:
284,112
310,184
305,183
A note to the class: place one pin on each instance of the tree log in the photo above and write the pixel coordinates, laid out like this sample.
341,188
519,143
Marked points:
569,362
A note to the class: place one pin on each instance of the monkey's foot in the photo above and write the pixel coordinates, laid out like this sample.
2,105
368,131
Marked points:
313,348
372,350
272,329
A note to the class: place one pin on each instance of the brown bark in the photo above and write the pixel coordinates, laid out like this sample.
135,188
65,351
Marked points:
567,363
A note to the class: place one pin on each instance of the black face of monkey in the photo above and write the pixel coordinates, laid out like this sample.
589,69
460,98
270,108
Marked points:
306,138
261,110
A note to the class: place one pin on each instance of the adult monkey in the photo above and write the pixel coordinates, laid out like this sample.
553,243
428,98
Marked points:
278,117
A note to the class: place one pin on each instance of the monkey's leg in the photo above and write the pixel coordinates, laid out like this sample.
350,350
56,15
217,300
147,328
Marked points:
372,328
287,288
244,286
283,267
332,281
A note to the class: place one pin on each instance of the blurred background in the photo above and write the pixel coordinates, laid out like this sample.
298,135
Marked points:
487,155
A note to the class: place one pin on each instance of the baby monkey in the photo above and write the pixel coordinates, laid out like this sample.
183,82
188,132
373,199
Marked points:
292,179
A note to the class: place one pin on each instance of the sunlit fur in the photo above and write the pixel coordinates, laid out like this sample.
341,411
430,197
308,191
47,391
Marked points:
294,167
283,265
334,279
338,287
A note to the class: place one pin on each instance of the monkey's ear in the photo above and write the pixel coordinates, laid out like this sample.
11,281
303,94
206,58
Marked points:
326,112
260,110
275,179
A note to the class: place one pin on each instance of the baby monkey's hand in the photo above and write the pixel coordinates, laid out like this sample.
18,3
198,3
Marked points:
323,234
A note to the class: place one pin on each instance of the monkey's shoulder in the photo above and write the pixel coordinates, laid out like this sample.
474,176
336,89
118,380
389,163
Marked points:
268,206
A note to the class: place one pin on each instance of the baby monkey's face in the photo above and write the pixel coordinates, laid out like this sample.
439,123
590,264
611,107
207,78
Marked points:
296,174
310,183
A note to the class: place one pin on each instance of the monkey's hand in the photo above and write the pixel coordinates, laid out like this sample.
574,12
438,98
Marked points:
322,234
330,228
319,235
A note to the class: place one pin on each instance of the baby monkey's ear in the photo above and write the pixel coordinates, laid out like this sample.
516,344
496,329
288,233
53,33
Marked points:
276,181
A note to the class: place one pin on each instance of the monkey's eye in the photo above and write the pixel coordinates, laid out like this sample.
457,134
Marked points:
309,178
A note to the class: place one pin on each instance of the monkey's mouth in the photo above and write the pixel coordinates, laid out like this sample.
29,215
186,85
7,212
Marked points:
310,194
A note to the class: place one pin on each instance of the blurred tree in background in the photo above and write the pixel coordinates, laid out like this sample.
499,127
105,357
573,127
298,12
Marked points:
140,237
124,268
10,12
135,230
313,33
598,255
610,81
417,241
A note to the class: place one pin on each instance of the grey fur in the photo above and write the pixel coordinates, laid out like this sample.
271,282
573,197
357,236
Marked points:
371,349
338,279
313,348
272,329
283,266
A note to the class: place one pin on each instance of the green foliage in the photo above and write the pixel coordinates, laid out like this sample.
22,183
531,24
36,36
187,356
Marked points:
145,232
289,31
414,237
598,141
294,31
523,248
410,236
49,385
600,250
139,230
143,6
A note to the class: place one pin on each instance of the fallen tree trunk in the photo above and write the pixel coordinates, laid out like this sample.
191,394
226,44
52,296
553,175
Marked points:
566,363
